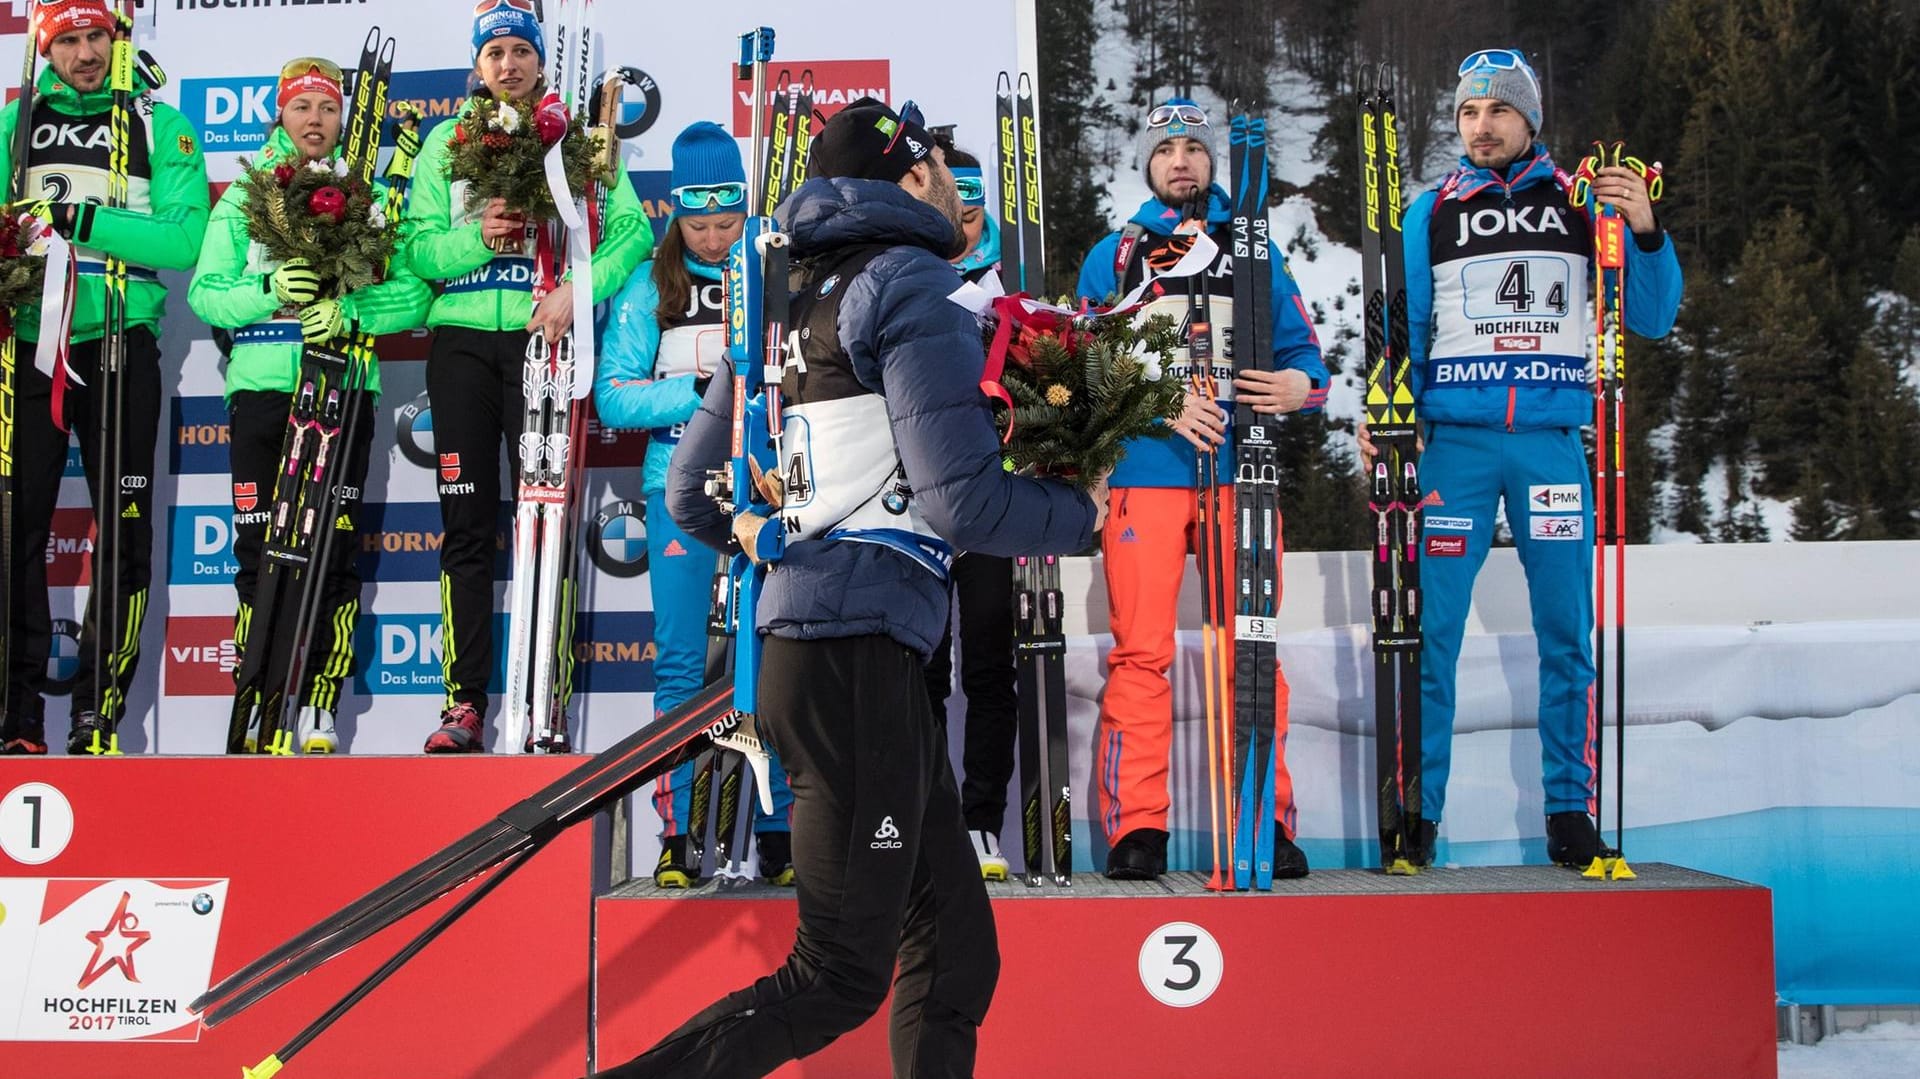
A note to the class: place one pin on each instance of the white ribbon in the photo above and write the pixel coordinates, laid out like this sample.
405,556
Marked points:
573,214
56,297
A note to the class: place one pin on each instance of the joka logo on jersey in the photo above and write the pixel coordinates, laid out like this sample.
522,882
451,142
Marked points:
1553,497
400,541
1511,219
70,548
235,115
836,84
200,545
200,656
618,540
1556,528
200,437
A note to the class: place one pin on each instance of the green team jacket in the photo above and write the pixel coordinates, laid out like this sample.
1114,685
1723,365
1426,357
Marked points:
232,289
483,291
160,230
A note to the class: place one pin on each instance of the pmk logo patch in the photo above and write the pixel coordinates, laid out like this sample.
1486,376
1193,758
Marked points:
1553,497
449,468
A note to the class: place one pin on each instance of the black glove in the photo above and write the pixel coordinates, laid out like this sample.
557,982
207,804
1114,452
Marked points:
70,219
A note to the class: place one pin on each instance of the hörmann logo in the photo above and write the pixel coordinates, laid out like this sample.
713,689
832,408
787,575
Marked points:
200,436
401,541
836,84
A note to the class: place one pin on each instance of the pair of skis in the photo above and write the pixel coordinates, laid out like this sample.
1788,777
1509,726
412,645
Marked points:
789,143
9,352
303,520
558,376
1610,479
1394,490
1039,642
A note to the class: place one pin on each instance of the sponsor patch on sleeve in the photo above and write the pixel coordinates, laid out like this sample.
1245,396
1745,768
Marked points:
1557,528
1446,546
1553,497
1446,524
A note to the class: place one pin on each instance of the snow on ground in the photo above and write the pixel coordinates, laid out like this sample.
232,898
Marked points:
1881,1051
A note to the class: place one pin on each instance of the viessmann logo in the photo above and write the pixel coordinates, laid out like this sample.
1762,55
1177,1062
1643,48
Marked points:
200,656
836,84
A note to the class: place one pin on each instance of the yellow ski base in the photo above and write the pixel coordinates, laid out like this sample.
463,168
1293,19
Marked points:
266,1069
1621,870
1609,868
282,744
317,747
1402,868
110,749
1596,871
784,880
672,878
993,872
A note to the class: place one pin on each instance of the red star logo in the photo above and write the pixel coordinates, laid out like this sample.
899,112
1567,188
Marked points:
120,937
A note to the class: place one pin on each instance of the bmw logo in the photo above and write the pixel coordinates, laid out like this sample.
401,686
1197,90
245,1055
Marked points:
413,423
63,656
618,542
636,117
203,904
827,286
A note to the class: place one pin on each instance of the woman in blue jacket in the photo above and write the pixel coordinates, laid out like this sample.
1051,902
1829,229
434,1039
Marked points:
665,337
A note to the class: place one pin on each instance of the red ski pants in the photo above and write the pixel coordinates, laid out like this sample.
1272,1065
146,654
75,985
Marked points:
1149,535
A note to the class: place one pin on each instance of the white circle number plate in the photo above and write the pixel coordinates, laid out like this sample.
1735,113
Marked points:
1181,964
36,822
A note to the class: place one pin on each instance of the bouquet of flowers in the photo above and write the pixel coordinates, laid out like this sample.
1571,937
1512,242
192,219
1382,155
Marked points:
21,271
319,212
1078,384
499,149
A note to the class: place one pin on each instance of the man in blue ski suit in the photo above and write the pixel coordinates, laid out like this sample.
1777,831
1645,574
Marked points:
665,338
1498,271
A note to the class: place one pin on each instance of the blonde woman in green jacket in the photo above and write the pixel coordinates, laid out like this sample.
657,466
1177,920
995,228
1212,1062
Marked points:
271,310
481,319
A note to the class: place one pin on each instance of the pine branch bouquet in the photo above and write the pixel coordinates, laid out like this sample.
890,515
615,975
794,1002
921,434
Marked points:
1080,384
499,148
318,211
21,270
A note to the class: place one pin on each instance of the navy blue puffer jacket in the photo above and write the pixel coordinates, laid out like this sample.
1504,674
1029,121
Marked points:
922,352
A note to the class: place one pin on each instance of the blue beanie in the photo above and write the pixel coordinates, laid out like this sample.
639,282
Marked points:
705,155
503,18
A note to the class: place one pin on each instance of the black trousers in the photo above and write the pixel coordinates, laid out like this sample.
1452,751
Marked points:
39,459
884,871
258,429
474,382
983,595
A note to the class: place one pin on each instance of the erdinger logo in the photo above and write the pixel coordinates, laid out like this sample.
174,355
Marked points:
836,84
886,837
114,945
63,656
618,543
636,117
413,426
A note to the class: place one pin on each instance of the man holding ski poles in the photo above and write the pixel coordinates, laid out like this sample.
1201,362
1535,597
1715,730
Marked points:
1496,247
1156,517
69,173
892,369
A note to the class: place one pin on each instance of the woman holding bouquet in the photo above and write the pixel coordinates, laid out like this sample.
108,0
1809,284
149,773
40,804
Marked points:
478,251
272,309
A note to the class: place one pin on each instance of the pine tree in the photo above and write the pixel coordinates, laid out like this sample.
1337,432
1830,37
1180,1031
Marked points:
1071,107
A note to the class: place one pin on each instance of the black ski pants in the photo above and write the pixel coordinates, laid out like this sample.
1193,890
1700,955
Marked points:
884,871
257,424
474,381
983,598
39,460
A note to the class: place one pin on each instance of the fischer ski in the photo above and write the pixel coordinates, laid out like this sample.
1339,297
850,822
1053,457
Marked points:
1256,498
9,356
1610,483
303,520
1394,498
558,375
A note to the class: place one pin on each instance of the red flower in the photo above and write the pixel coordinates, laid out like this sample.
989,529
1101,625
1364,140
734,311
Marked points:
283,175
329,202
497,140
459,133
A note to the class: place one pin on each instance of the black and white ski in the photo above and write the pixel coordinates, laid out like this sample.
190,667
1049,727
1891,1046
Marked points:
9,355
1394,492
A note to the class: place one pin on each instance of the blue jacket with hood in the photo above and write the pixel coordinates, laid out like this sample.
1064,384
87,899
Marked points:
920,351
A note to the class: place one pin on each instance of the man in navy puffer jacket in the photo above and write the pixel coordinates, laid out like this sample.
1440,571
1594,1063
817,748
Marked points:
898,465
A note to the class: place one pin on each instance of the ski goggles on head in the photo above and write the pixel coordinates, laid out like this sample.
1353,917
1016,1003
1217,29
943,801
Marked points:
311,74
971,185
485,6
1494,60
910,114
710,198
1163,115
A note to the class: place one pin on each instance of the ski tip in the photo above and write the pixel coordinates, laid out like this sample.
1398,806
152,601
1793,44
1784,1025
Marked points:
1004,83
266,1069
1025,85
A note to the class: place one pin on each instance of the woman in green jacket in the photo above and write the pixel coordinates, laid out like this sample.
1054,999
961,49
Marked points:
481,320
272,310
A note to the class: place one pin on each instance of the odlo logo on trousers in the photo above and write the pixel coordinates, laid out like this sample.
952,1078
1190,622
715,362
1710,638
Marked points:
886,837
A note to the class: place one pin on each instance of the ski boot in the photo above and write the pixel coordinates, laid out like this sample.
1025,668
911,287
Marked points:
986,847
1572,840
462,730
92,736
1139,855
679,865
776,857
1289,861
30,740
315,732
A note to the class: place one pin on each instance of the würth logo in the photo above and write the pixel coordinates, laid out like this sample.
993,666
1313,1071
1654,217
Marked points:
886,837
449,467
246,496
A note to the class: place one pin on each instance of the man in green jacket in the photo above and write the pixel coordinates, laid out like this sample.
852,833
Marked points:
271,309
481,320
160,229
